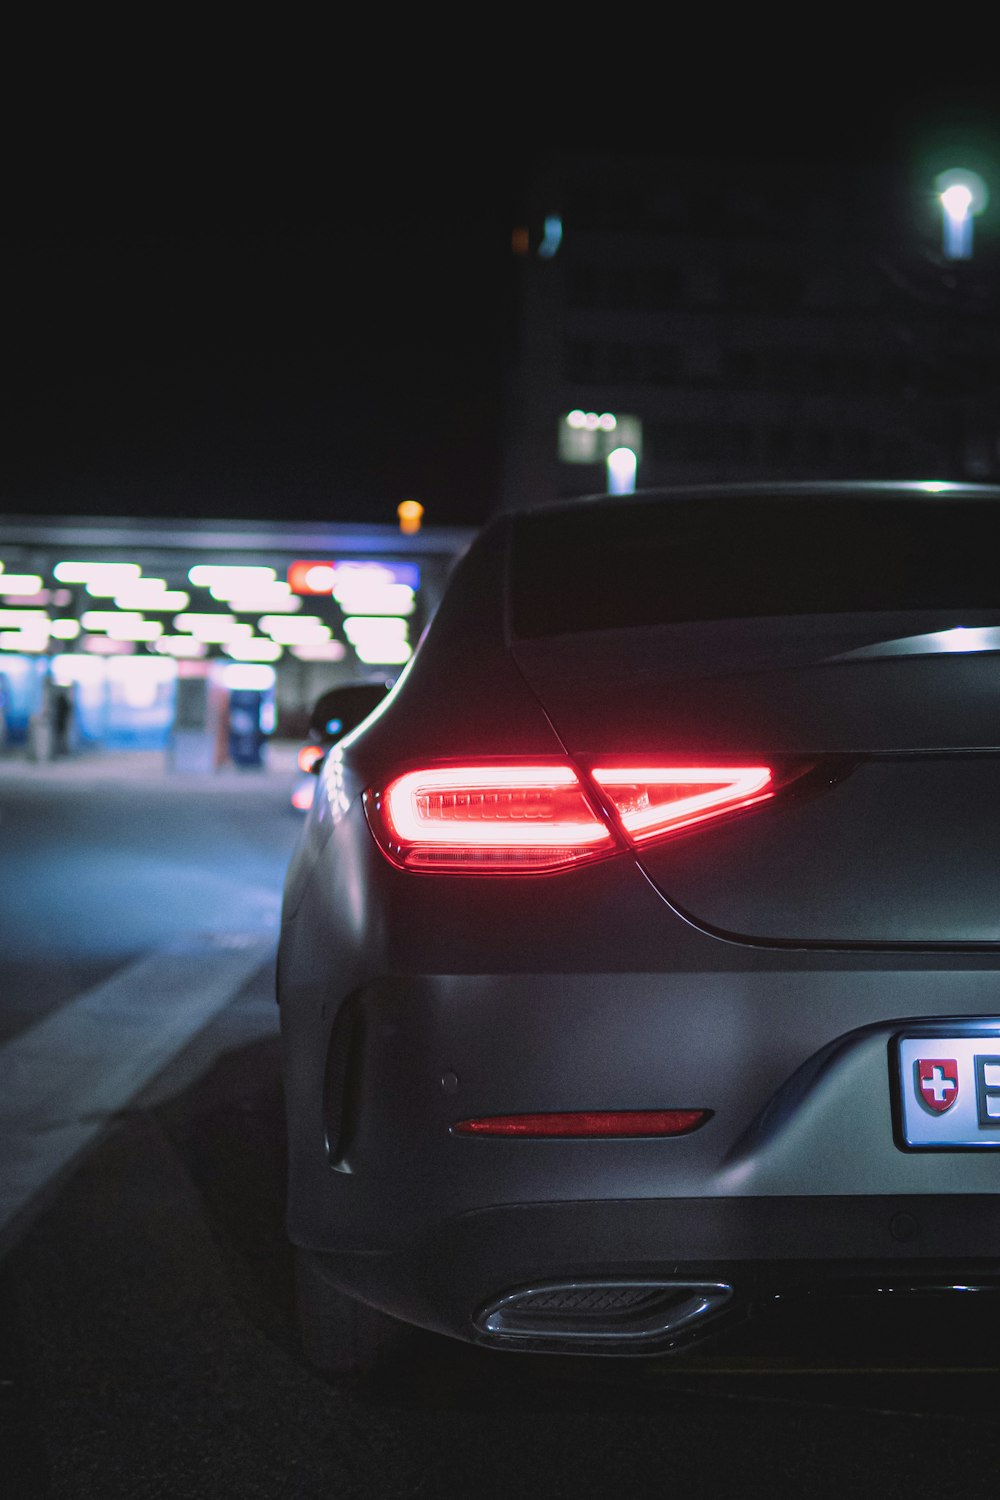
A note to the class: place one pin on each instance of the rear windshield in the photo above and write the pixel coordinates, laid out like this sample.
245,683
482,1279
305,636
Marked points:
655,562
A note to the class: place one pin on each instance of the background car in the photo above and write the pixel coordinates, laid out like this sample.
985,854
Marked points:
639,958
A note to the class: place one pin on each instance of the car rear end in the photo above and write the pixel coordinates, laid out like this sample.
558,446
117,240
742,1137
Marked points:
656,976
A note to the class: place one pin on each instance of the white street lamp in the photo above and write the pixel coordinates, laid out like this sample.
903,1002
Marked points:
963,195
621,465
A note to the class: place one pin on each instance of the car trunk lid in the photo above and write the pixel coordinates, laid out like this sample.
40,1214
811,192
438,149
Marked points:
895,840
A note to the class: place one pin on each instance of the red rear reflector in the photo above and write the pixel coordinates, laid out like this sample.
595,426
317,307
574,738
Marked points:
483,819
588,1123
654,800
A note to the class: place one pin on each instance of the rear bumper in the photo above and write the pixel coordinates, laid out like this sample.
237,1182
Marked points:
801,1101
388,1045
762,1249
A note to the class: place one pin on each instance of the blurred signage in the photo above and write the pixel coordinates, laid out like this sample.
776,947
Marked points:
324,576
306,577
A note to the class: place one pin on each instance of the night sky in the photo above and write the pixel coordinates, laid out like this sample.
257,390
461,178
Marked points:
321,350
240,318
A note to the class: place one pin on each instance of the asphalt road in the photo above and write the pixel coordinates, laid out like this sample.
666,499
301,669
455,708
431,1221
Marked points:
146,1337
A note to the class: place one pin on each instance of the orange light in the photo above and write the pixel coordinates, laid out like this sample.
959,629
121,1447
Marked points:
308,756
410,513
306,577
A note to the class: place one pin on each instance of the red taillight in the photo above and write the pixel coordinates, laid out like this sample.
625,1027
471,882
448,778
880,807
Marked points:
487,819
588,1123
532,818
654,800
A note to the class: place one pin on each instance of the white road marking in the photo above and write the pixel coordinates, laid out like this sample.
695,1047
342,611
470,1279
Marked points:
62,1079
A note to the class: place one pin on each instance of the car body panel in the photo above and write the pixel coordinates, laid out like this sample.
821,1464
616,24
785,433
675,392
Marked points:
902,852
627,695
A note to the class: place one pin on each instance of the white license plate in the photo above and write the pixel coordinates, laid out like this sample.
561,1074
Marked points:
948,1091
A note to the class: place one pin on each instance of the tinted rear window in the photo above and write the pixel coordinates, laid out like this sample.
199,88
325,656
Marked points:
652,562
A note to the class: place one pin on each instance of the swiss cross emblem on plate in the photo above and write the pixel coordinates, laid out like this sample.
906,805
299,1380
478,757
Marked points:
937,1082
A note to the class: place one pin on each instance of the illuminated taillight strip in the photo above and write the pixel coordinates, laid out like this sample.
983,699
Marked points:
587,1124
726,788
515,817
414,817
511,818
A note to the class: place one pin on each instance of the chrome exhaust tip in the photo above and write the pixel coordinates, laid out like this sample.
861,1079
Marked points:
601,1316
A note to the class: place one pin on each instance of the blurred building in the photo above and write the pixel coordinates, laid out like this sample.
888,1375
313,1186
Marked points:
138,633
746,321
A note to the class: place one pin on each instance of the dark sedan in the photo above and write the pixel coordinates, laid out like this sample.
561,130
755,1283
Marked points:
640,958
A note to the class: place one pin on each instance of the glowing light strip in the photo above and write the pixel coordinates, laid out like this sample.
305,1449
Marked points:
357,596
306,630
259,603
255,649
218,629
21,640
181,645
410,827
143,595
729,786
320,651
387,654
371,628
225,576
22,584
20,617
134,630
97,572
104,619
